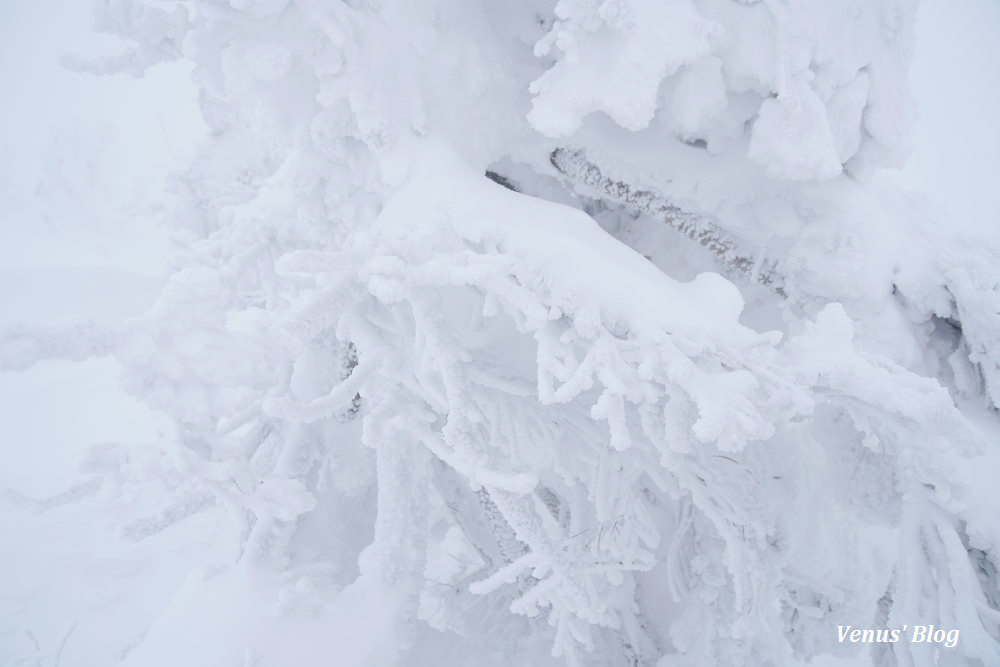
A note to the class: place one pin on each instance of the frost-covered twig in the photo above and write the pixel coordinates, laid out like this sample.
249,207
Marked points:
158,35
730,250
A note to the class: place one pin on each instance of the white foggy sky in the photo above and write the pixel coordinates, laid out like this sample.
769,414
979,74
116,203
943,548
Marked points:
956,83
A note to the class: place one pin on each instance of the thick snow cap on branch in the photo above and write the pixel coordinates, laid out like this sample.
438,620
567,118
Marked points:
813,86
561,246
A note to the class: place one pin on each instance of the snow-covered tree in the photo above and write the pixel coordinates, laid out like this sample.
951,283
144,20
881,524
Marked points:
578,331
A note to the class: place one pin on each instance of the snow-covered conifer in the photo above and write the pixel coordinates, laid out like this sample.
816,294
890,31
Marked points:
691,389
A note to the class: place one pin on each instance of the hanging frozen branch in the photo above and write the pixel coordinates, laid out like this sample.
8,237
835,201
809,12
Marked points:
729,249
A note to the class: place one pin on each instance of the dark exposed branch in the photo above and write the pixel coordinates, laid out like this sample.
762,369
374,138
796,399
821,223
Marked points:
727,247
500,179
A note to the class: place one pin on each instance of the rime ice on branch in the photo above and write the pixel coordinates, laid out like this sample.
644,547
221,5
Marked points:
482,409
